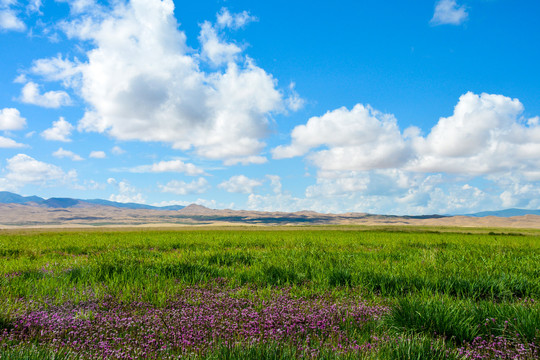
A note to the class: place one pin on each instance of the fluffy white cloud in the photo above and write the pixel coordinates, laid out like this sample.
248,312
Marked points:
214,48
126,192
485,135
169,166
486,139
10,21
61,153
359,139
97,155
9,143
55,69
23,169
60,131
240,184
11,119
142,82
51,99
198,186
449,12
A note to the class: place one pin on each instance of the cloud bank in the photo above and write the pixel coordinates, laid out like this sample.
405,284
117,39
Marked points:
142,82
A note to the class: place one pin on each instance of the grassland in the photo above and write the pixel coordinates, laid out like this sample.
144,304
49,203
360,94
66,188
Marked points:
328,292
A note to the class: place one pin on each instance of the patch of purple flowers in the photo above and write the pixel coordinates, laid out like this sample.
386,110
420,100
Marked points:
197,321
497,347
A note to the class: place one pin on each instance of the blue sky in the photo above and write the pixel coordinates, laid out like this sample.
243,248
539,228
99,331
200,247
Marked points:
392,107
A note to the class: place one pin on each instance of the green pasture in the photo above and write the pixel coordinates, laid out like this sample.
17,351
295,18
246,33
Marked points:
441,284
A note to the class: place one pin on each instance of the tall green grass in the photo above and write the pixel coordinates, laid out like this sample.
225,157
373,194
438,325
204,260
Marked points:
439,285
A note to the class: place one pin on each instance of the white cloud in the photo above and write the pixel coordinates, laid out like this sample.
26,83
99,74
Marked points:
234,21
240,184
484,135
79,6
55,69
117,150
214,49
10,21
275,183
449,12
60,131
23,169
359,139
485,138
61,153
34,6
126,193
11,119
51,99
169,166
254,159
97,155
294,101
198,186
9,143
142,82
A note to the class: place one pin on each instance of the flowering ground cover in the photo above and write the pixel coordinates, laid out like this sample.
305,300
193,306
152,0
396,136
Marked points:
342,293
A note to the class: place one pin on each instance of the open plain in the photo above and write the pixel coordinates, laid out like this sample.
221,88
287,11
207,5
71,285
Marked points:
280,292
19,215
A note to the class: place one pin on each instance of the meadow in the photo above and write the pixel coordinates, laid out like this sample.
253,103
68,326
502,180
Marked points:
270,293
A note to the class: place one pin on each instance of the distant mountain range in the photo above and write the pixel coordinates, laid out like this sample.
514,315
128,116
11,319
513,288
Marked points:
7,197
506,213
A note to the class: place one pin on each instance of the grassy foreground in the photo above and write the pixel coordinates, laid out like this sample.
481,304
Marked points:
339,293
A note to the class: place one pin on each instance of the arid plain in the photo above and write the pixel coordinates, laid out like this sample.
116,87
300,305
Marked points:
17,216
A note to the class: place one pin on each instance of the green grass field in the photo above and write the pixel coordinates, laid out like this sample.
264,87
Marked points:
279,293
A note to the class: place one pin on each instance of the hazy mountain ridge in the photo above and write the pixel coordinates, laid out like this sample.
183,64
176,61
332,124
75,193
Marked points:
202,213
7,197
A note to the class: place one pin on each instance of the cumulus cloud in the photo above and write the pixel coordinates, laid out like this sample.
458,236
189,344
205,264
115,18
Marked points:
357,139
240,184
23,169
169,166
215,49
484,135
97,155
126,192
449,12
487,138
11,119
142,82
56,69
61,153
7,143
9,21
198,186
51,99
60,131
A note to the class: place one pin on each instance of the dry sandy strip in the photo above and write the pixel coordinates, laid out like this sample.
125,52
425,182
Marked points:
26,216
